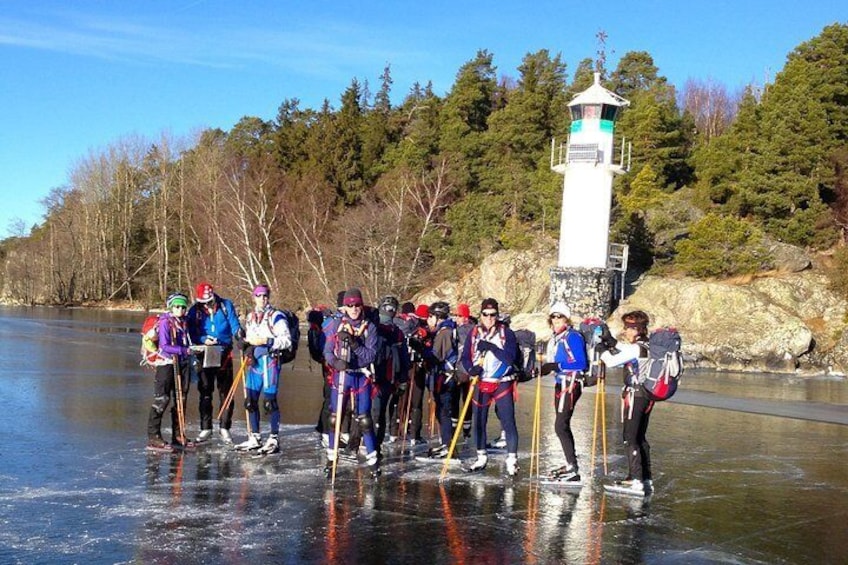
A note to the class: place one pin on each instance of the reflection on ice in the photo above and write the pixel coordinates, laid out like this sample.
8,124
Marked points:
748,469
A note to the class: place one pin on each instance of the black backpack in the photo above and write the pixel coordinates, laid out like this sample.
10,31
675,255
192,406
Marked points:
525,360
288,355
315,337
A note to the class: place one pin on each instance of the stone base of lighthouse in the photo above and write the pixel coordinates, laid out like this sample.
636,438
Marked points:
587,292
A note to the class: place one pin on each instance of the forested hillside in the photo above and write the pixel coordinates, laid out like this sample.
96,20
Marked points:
392,197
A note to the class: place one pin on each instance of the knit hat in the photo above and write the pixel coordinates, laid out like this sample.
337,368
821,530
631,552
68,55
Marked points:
177,299
352,297
463,310
422,311
407,308
490,304
203,292
261,290
560,308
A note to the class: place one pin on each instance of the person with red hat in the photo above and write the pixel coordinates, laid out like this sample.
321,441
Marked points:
213,325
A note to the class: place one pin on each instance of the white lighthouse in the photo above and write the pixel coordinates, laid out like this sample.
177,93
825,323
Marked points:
589,161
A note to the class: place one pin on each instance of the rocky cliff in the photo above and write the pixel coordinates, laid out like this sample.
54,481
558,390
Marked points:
785,322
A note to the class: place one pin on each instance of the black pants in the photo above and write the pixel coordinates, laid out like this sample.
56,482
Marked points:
207,380
323,425
562,422
417,390
635,443
164,393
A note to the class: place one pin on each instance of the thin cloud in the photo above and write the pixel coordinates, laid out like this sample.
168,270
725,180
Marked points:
323,51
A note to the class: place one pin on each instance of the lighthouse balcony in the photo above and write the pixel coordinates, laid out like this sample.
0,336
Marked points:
566,154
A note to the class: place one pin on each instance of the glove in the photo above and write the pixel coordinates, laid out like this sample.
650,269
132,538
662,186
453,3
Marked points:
607,339
549,367
463,377
344,335
476,371
340,364
483,346
247,354
417,345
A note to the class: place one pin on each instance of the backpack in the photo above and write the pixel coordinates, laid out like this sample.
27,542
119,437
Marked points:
150,342
590,328
660,374
525,360
315,337
287,355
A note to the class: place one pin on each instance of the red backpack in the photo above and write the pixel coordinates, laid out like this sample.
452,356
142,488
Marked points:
150,343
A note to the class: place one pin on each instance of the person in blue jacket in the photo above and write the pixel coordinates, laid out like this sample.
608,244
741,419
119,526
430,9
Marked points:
488,355
213,322
350,349
566,358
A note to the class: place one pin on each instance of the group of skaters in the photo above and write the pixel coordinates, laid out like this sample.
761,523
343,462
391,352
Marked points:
379,364
200,338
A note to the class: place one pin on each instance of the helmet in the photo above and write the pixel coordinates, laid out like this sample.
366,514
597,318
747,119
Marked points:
176,299
389,304
203,292
440,310
261,290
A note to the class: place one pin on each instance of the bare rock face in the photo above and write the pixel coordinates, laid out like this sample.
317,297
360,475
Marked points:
772,324
789,322
518,280
788,258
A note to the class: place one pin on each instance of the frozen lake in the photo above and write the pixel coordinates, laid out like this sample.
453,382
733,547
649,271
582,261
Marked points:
748,469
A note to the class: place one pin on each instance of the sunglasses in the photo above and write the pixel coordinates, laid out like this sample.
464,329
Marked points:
557,316
354,305
488,314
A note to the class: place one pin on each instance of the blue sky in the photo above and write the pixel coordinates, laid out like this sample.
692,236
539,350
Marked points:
78,75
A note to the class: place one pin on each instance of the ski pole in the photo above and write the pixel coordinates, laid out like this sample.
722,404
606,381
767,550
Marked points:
244,392
535,449
339,407
338,430
603,391
598,399
232,391
458,431
178,385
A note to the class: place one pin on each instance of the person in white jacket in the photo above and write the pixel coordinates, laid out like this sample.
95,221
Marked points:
632,353
266,335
